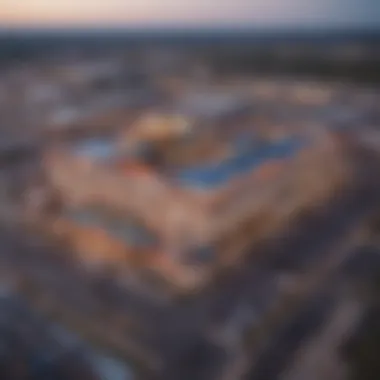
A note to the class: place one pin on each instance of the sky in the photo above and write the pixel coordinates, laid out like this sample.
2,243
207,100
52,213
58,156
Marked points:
187,13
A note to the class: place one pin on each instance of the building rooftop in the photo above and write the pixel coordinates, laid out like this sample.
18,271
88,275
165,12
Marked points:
120,227
246,159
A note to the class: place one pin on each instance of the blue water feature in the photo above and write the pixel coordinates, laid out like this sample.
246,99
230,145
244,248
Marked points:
95,148
248,157
121,228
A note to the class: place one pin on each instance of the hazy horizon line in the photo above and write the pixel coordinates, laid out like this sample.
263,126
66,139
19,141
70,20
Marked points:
192,28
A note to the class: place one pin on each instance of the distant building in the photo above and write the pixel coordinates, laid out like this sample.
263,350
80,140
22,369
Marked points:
213,107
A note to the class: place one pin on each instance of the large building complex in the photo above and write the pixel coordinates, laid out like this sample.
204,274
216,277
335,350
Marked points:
200,214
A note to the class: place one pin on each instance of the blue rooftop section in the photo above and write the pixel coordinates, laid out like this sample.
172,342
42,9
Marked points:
248,157
121,228
96,148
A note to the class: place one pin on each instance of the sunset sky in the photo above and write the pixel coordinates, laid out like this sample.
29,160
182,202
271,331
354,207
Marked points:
259,13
